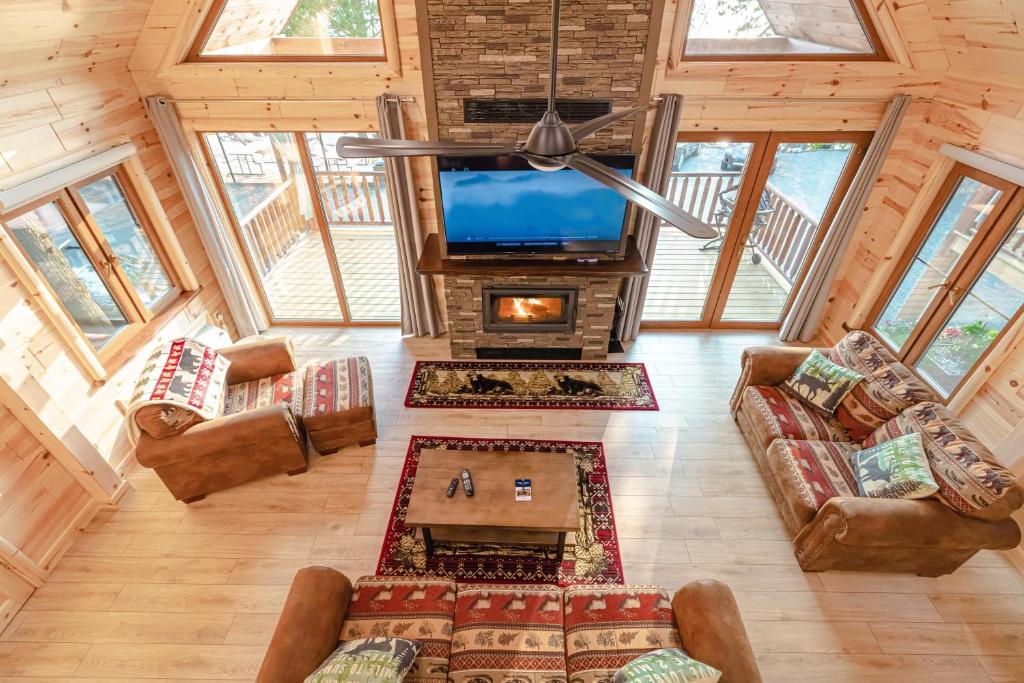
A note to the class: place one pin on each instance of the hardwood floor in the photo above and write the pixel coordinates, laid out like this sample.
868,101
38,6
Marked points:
160,591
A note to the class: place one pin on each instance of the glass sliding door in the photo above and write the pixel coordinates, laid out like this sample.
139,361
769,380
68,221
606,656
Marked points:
769,197
803,180
710,180
354,198
264,185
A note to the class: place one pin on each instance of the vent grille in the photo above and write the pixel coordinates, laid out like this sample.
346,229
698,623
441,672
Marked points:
530,110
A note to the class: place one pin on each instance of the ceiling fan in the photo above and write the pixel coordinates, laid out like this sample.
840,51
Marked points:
551,146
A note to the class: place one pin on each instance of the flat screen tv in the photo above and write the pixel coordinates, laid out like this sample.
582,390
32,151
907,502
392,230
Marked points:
500,205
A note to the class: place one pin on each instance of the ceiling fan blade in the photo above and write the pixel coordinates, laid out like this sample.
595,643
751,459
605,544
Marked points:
358,148
640,195
588,128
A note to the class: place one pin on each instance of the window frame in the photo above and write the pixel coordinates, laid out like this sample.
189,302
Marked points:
879,52
958,284
195,51
98,251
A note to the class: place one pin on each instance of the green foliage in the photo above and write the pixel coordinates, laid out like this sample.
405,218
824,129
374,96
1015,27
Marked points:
340,19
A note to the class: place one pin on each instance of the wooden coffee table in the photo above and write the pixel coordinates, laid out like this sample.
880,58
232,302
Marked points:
493,515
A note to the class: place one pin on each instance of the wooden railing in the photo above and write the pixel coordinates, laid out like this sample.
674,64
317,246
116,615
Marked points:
355,197
782,233
274,225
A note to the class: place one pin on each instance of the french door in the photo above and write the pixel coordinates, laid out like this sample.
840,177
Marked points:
961,287
770,198
315,228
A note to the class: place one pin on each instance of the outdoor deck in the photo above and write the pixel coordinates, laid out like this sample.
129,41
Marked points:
299,286
682,274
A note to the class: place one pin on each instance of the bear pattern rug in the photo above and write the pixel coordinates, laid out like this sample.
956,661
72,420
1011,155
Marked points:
490,384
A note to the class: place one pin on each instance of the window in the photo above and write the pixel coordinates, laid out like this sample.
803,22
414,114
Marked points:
291,30
780,29
97,254
963,285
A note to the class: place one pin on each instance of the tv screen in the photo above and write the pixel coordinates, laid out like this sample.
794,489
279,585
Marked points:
504,205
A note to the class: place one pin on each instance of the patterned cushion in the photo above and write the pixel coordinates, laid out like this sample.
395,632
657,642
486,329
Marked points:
508,634
606,627
417,609
670,665
268,391
969,478
367,660
821,383
897,468
777,414
810,473
337,386
888,388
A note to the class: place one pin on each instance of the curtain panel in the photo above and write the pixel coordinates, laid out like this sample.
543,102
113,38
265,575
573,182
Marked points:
804,318
658,167
227,264
419,305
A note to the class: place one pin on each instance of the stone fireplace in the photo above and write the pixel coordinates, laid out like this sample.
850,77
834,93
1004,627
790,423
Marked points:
558,316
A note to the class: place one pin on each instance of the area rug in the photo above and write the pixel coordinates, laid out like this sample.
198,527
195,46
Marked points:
490,384
593,558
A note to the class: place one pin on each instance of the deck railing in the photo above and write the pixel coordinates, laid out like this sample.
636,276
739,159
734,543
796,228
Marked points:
355,197
782,233
274,225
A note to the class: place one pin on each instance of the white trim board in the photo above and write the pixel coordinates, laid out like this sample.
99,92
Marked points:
1009,172
30,190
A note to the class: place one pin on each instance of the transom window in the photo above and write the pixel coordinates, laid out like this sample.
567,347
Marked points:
291,30
780,29
97,253
963,286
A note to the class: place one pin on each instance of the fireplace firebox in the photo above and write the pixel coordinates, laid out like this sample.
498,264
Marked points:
538,309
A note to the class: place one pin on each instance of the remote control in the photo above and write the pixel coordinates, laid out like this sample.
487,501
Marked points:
452,486
467,482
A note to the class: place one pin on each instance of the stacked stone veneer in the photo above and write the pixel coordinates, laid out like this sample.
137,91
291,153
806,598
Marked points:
499,49
595,310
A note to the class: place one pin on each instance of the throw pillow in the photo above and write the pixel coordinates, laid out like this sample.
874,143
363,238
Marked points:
895,469
821,383
668,665
369,660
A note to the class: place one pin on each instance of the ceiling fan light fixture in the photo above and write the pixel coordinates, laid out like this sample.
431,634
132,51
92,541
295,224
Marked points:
545,164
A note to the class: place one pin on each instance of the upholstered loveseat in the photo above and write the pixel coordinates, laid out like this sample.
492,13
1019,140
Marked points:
541,634
805,459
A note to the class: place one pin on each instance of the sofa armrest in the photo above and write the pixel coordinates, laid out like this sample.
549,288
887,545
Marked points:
900,523
259,358
206,438
767,366
309,627
712,630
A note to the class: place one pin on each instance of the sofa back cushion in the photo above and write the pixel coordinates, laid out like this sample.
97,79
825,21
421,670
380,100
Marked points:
606,627
970,479
888,387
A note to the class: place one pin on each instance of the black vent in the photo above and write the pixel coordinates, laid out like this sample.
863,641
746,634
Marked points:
530,111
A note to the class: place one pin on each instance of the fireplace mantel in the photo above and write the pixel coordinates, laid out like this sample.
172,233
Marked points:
431,263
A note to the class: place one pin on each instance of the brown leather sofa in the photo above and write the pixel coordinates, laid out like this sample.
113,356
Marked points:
475,632
804,458
213,455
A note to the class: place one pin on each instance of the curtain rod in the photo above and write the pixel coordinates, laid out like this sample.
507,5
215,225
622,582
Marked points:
262,100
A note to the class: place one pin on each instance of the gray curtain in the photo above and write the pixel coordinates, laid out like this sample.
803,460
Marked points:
809,304
242,302
658,167
419,306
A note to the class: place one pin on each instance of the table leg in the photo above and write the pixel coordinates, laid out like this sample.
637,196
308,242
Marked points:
560,552
428,542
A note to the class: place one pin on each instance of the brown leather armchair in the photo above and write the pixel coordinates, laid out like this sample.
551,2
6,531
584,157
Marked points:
217,454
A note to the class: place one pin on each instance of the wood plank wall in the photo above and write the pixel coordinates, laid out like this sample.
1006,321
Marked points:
65,89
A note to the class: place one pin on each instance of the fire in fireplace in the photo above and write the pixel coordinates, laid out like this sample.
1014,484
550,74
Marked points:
536,309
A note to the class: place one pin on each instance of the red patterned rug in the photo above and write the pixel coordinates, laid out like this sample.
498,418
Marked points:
594,558
497,384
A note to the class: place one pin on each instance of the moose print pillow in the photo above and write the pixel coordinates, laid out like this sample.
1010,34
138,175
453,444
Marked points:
821,383
895,469
369,660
